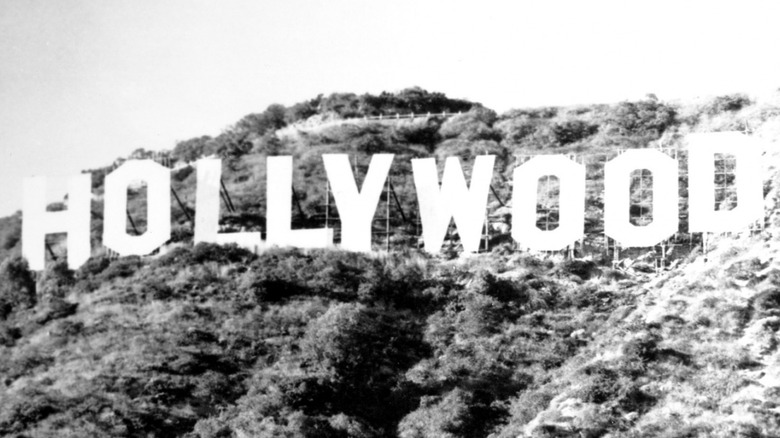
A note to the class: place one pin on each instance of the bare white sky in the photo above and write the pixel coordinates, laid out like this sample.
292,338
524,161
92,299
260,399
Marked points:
83,82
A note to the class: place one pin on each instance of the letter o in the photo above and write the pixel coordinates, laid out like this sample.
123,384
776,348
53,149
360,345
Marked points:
158,188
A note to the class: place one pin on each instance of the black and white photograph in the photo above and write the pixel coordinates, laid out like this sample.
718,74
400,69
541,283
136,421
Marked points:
406,219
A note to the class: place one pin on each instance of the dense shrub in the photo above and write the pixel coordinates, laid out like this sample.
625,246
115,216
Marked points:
302,110
367,138
517,129
423,132
262,286
121,268
11,233
93,267
449,416
183,173
467,151
355,343
767,302
271,119
181,233
411,100
477,124
212,252
277,275
17,286
176,256
190,150
728,102
583,269
571,131
642,117
268,144
400,281
345,105
56,280
531,113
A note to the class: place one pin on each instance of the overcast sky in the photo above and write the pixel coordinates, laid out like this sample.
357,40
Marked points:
83,82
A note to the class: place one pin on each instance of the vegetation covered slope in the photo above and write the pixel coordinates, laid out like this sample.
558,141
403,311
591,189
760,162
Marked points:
210,341
214,340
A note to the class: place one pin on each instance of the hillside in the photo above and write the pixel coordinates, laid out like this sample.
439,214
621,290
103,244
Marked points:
210,341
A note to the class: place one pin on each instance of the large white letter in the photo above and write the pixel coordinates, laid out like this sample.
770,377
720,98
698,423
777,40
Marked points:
158,207
617,197
36,221
701,185
356,209
571,200
279,210
207,209
454,199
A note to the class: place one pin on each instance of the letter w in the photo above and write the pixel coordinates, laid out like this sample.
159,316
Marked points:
453,200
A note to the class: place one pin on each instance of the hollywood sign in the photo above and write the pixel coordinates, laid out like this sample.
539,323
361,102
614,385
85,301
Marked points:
439,202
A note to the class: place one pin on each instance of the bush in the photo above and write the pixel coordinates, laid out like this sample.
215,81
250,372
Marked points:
268,144
473,125
93,267
17,286
345,105
411,100
425,132
183,173
467,150
356,344
600,384
156,289
56,280
212,252
767,302
368,138
399,281
13,234
55,308
121,268
9,335
531,113
729,102
644,347
302,110
176,256
30,407
269,120
449,416
192,149
642,117
260,286
515,130
582,296
571,131
584,269
181,233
